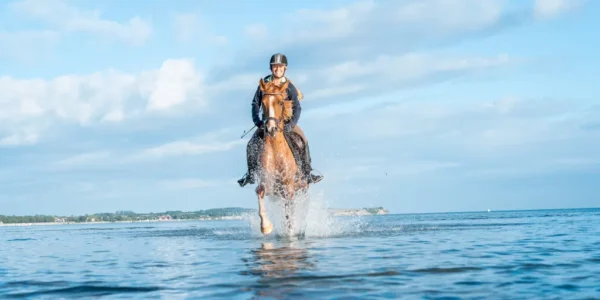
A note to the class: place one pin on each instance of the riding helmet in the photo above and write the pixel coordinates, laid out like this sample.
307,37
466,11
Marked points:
278,58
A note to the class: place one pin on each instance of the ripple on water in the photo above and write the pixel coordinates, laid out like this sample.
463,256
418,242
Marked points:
21,240
500,255
81,290
439,270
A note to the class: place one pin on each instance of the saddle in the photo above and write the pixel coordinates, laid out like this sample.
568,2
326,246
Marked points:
298,151
296,145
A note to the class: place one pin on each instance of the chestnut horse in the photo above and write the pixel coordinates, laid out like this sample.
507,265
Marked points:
277,167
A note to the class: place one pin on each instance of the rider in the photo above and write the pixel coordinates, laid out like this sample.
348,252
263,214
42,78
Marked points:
278,66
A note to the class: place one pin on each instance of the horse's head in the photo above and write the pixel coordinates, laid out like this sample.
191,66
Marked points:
275,109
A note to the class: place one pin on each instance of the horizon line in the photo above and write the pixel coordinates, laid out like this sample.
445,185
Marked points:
389,212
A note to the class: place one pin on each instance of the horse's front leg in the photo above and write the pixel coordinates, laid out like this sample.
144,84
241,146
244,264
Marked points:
266,226
289,189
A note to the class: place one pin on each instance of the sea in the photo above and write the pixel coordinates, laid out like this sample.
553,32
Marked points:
527,254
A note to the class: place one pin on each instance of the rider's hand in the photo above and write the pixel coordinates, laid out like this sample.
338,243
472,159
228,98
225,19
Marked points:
288,128
259,124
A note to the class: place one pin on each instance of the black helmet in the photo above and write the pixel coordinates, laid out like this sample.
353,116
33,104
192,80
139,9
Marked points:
278,58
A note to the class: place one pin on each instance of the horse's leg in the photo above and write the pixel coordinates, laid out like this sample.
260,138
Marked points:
265,224
289,204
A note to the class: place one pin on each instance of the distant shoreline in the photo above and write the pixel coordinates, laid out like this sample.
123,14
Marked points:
216,214
332,212
112,222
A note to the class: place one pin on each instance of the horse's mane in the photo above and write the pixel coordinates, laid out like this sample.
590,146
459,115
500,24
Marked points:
288,109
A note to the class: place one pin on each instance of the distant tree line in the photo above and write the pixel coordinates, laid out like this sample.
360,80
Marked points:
26,219
374,210
130,216
214,213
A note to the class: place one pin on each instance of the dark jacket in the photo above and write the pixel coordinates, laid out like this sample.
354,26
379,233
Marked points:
292,96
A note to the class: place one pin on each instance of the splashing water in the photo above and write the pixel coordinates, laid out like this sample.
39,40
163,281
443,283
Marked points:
309,217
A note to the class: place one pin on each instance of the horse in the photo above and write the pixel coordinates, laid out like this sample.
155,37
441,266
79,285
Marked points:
277,167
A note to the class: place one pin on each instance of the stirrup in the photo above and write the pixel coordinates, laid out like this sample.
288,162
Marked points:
314,178
245,180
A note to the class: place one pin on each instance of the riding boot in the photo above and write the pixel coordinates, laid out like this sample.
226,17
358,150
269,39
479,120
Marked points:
247,178
305,157
308,166
252,151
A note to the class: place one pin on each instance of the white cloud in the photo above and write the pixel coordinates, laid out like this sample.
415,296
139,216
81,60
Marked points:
553,8
71,19
185,26
337,91
209,142
24,45
240,83
488,124
440,140
180,148
387,73
19,138
354,50
178,87
84,158
401,19
370,29
116,116
450,14
190,27
31,106
370,77
176,81
509,137
336,23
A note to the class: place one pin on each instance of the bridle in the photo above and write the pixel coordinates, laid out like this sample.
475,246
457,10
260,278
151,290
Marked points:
277,121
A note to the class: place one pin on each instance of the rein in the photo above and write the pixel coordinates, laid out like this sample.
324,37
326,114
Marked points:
277,121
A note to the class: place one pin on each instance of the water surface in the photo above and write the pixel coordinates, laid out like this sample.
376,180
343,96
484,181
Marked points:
544,254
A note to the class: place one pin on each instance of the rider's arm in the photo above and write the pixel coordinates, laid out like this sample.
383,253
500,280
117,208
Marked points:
297,109
256,102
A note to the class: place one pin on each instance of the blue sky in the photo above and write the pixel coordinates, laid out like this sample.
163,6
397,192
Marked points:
414,105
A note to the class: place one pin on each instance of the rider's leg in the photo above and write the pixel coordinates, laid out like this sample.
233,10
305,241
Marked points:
252,150
307,161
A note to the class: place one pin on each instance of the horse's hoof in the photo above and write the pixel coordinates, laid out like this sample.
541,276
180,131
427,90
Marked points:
267,229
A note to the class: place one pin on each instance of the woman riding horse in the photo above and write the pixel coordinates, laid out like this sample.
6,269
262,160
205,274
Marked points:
278,66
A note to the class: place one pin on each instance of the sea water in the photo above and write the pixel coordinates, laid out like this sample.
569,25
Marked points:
538,254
